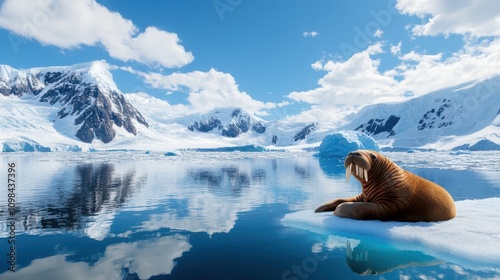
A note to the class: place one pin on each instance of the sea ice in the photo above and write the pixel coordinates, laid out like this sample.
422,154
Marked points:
339,144
481,145
23,146
245,148
171,154
471,239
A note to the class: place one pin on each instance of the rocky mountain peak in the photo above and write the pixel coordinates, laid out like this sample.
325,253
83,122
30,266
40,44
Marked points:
16,82
85,92
231,122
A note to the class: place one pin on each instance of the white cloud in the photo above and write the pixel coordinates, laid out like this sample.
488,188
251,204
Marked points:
476,18
206,90
351,84
153,46
422,73
396,49
70,24
319,113
310,34
378,33
347,85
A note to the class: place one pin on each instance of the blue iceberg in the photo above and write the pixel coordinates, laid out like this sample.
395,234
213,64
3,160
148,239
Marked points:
340,143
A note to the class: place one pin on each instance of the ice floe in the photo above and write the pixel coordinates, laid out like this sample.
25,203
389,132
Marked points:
471,239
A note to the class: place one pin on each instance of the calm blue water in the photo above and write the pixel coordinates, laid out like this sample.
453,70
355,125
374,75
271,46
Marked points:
201,216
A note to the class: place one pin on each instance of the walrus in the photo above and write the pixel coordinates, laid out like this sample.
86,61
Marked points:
390,193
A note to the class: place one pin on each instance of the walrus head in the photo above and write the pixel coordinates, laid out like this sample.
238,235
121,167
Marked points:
359,163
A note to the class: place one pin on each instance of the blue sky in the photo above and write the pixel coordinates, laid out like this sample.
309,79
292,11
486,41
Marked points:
304,60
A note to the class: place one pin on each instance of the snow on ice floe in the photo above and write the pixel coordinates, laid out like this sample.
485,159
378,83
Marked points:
339,144
471,239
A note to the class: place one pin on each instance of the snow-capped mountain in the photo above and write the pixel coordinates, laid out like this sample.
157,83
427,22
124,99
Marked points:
220,127
85,95
238,123
79,107
228,122
465,116
15,82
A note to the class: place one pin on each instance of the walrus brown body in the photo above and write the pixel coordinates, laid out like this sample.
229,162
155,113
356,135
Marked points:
390,193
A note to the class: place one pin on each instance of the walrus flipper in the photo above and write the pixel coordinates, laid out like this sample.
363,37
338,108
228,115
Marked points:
332,204
359,211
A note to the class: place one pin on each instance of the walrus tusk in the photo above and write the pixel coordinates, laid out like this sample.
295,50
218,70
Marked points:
348,172
360,172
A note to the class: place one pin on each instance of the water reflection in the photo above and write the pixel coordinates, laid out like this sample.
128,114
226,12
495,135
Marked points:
127,260
231,177
96,188
332,166
88,205
138,219
85,197
211,198
371,258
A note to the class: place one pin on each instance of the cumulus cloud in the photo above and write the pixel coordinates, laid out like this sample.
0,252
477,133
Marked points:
422,73
351,84
347,85
70,24
476,18
310,34
206,90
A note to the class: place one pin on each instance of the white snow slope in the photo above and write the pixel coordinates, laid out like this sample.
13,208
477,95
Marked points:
460,117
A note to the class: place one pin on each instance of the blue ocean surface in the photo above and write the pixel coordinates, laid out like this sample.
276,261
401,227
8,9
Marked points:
210,215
